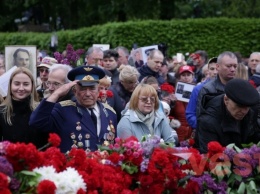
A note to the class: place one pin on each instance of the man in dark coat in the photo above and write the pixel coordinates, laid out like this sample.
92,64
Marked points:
83,123
153,66
229,118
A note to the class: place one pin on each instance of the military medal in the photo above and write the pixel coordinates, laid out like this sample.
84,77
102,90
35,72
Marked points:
87,136
74,146
72,136
110,136
106,143
78,127
80,144
87,146
87,143
112,128
80,137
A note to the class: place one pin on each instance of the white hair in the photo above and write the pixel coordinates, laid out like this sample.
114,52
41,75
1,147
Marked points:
65,68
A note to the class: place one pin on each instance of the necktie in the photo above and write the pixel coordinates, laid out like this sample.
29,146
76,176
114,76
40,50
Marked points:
93,117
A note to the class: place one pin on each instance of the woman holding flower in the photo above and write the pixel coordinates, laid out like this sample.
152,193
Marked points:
143,118
16,109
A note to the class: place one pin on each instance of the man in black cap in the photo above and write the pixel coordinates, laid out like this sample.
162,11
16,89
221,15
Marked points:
229,118
83,123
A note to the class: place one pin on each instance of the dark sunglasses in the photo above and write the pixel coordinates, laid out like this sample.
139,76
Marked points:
44,70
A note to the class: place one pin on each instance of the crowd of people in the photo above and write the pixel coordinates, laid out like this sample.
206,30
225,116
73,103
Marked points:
112,96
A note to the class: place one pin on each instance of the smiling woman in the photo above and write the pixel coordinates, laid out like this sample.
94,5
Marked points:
143,117
16,109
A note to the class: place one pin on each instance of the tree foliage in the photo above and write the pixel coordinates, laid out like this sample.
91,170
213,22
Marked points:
73,14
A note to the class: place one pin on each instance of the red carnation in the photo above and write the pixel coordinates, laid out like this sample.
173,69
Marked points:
110,94
214,147
46,186
81,191
191,141
3,181
114,157
167,87
54,139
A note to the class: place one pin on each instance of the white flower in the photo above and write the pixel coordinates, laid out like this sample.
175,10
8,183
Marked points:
47,172
67,182
161,141
109,79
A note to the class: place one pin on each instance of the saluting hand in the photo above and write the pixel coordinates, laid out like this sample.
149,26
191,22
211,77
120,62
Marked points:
62,91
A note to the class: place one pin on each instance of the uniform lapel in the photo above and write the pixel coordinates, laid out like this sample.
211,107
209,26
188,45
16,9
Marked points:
104,120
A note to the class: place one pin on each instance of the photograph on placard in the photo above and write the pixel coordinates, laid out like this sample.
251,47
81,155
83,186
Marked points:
146,50
103,47
21,56
183,91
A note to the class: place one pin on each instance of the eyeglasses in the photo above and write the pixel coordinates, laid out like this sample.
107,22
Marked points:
54,84
147,99
131,83
44,70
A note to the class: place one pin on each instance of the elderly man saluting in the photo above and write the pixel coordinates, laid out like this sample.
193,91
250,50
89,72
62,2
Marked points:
229,118
83,123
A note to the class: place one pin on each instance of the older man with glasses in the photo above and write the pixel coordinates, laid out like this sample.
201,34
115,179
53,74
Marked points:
43,71
58,77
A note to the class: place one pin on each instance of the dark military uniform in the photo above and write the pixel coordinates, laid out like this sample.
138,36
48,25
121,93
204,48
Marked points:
73,124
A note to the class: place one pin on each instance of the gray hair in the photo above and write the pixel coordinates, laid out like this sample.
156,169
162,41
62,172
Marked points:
254,53
128,72
65,68
124,49
226,53
92,49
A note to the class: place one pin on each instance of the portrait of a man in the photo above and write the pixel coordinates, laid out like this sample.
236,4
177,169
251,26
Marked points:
21,56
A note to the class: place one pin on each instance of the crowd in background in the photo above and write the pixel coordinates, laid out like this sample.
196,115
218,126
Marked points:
140,99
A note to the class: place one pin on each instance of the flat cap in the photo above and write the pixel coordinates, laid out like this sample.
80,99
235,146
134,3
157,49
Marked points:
88,75
242,92
48,62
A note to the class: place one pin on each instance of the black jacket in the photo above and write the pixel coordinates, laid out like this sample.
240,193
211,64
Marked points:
120,98
146,71
20,131
216,124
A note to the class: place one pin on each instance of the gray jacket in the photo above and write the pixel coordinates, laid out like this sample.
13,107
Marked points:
131,125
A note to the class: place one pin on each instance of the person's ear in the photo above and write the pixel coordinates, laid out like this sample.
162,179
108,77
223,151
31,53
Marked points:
226,99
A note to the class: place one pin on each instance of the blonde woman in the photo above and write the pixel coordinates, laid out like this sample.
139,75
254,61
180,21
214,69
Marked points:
103,86
143,118
17,107
242,71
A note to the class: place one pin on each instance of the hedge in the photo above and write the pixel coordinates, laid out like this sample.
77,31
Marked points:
214,35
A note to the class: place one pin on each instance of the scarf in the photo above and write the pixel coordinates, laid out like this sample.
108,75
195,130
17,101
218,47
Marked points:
148,120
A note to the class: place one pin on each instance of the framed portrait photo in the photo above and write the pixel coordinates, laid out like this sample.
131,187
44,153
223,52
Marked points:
21,56
183,91
146,51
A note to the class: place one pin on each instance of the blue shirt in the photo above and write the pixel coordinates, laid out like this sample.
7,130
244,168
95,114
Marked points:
191,107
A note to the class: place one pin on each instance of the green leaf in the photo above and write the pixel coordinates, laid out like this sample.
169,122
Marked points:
247,145
242,188
29,173
230,146
251,187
